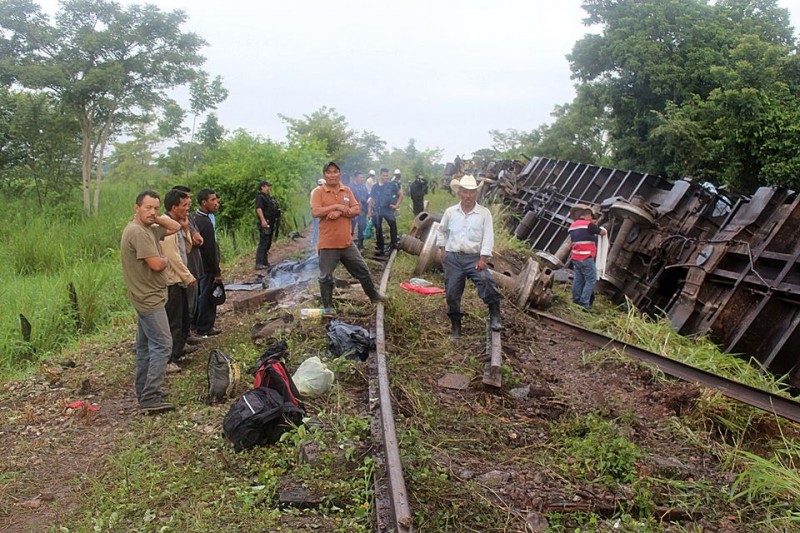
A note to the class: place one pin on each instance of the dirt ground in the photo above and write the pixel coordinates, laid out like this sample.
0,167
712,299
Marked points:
53,452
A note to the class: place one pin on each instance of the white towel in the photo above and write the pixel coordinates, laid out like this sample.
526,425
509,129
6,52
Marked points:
602,255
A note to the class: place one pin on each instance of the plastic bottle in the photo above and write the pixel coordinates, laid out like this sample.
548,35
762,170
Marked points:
314,312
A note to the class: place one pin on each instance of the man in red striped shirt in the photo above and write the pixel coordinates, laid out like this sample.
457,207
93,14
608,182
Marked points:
583,233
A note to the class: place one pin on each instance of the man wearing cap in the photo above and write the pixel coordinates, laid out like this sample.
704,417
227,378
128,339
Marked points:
385,198
397,177
334,205
268,215
466,239
583,233
370,180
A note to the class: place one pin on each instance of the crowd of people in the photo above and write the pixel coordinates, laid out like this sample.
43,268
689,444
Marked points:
171,267
171,259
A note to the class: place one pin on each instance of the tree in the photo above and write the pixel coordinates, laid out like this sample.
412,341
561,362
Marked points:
352,150
234,169
104,62
133,160
211,132
205,95
324,125
39,150
514,144
692,88
171,124
413,161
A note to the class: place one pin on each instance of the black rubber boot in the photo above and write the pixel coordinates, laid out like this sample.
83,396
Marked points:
326,295
374,294
455,332
495,320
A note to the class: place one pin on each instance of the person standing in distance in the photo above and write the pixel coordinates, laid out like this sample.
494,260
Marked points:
466,239
334,205
268,213
205,221
361,193
370,181
385,198
417,190
583,233
143,269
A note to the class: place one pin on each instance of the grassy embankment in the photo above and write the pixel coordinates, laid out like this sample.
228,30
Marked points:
45,251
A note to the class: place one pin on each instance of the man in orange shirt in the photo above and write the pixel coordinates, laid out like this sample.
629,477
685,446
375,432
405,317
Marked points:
335,206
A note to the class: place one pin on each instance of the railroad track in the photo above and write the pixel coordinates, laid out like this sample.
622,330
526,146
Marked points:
394,512
393,509
761,399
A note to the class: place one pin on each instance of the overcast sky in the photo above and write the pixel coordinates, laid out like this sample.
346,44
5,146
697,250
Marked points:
443,73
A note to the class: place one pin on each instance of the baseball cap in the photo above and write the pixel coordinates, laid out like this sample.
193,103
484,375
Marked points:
264,183
397,171
332,163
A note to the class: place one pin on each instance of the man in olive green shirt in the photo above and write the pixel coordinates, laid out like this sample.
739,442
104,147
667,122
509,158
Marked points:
143,266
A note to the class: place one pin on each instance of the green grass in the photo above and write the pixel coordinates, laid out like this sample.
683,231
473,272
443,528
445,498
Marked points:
175,473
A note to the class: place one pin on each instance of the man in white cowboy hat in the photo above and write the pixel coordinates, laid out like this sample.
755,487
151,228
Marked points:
466,236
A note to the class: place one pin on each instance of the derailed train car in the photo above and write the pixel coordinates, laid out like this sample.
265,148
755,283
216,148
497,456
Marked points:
715,264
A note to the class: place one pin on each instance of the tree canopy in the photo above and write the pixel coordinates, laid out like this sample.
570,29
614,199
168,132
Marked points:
104,62
684,88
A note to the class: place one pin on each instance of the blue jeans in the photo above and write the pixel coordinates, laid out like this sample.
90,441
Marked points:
315,234
206,311
457,268
153,348
585,277
359,224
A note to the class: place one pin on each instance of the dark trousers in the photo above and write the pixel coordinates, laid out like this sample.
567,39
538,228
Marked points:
351,258
206,311
389,215
178,315
457,268
359,225
418,204
264,244
191,302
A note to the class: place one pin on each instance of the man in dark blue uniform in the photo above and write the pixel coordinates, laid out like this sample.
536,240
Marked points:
385,198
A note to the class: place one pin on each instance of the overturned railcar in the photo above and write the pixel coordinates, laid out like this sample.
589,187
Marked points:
715,264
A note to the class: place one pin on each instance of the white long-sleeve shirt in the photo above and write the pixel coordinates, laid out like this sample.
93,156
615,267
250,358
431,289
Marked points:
469,233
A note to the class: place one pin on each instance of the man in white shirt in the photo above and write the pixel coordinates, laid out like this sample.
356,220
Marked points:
466,236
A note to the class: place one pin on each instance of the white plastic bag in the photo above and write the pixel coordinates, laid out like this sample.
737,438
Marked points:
313,378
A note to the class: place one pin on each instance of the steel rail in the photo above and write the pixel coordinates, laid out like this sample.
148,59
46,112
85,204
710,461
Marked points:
394,467
767,401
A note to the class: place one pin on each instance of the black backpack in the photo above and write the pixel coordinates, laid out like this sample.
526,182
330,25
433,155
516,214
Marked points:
266,412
